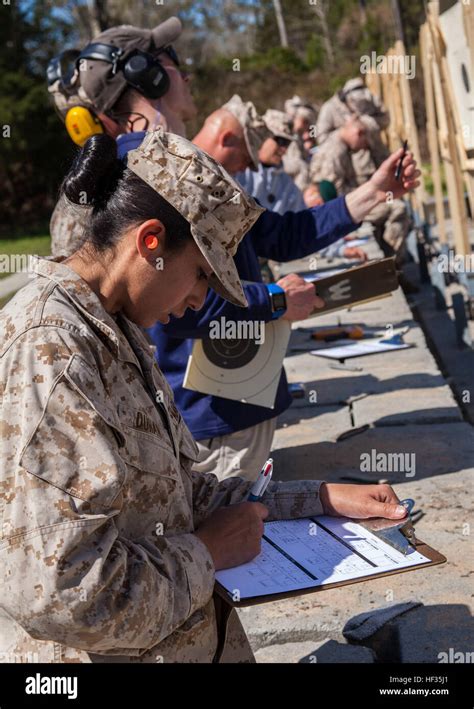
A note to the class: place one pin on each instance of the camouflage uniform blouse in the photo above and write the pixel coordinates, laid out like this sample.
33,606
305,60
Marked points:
98,505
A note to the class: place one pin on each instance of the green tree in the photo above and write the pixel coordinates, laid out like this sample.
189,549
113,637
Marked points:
28,172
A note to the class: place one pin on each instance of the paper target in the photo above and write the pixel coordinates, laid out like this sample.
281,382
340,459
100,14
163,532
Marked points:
242,370
230,354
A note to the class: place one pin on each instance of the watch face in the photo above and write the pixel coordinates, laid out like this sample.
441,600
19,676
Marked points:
279,301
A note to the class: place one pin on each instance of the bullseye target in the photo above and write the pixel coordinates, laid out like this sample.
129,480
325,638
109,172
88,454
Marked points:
242,370
230,354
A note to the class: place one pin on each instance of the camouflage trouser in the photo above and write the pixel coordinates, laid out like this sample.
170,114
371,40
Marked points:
364,166
391,222
365,162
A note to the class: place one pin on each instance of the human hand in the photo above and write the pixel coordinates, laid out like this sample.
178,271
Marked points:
233,534
312,197
355,252
383,180
360,501
301,298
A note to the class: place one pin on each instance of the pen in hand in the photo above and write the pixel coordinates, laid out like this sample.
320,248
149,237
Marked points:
261,483
398,171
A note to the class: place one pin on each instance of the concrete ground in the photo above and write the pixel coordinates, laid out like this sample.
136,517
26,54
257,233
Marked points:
395,402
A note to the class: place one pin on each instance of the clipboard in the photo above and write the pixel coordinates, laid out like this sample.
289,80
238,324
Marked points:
434,558
357,285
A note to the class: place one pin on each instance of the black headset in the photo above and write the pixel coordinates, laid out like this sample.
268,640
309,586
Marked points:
141,70
344,94
62,67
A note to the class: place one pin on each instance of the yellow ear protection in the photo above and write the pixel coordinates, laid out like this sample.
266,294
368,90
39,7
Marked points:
141,70
81,124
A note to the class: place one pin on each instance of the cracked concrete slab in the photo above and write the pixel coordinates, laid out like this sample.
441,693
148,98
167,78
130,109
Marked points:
332,387
321,423
439,449
310,652
399,407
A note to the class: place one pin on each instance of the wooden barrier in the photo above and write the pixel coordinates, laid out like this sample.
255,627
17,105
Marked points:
446,142
445,137
394,90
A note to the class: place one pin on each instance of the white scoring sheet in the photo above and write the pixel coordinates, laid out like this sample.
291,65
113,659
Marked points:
305,553
359,349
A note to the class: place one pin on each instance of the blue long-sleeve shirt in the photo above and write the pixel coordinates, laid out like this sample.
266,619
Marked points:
274,189
278,237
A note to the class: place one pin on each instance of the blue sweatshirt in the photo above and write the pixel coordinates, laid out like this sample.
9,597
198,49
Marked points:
274,236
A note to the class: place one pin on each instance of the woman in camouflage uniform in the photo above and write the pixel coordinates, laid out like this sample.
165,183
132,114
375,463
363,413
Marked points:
109,542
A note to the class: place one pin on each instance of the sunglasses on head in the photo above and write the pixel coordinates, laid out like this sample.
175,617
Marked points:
171,53
281,142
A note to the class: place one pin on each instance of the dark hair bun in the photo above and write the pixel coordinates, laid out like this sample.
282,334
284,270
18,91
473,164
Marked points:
95,172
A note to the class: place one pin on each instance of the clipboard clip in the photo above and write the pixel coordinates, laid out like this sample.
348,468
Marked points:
399,535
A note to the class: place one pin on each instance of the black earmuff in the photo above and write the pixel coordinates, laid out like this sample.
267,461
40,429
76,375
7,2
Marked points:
146,74
141,70
62,68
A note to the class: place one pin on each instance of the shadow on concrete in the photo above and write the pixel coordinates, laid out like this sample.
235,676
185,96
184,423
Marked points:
436,634
417,417
340,390
439,414
333,461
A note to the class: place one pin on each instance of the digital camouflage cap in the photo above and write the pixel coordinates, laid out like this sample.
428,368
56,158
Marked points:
279,124
358,97
298,107
94,84
218,210
255,130
101,84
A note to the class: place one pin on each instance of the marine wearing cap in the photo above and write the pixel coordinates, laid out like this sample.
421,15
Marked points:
254,128
279,124
97,84
219,211
92,463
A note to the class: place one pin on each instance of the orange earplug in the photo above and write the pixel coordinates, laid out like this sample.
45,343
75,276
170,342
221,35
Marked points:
151,241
